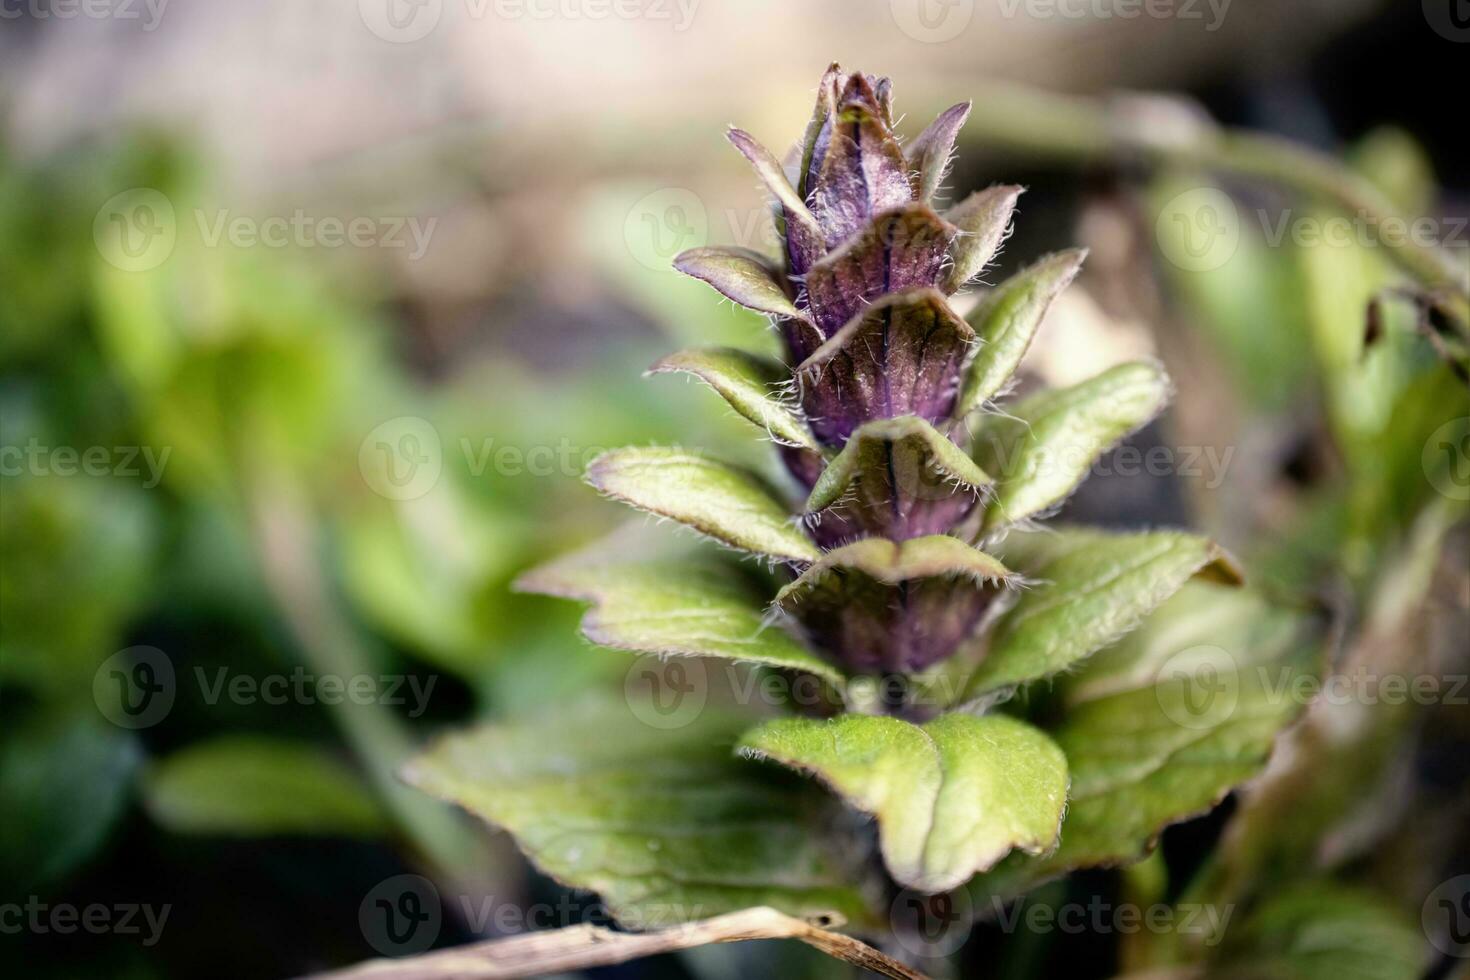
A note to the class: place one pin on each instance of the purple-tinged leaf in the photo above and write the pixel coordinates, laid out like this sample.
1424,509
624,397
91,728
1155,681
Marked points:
804,240
898,478
929,154
880,606
900,356
902,249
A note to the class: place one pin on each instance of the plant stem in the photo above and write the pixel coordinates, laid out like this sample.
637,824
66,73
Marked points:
581,947
332,646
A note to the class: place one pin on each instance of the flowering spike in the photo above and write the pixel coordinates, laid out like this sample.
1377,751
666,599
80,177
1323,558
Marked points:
868,412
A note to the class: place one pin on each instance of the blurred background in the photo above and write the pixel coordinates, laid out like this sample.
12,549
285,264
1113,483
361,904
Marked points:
311,315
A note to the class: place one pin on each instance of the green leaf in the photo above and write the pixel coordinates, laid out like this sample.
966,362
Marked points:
257,786
750,383
1323,931
674,605
906,449
1092,588
1006,319
666,825
732,505
984,218
740,274
951,797
65,781
1042,448
1143,757
893,562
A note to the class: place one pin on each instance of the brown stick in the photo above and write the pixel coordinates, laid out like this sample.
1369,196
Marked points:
579,947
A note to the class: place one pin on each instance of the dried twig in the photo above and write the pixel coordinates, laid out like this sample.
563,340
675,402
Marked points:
579,947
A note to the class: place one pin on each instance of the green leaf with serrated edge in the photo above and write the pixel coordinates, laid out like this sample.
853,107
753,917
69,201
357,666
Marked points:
1169,749
1042,448
928,155
892,562
868,448
1091,587
984,218
256,786
749,382
673,604
951,797
739,274
1005,320
730,504
1320,930
666,825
